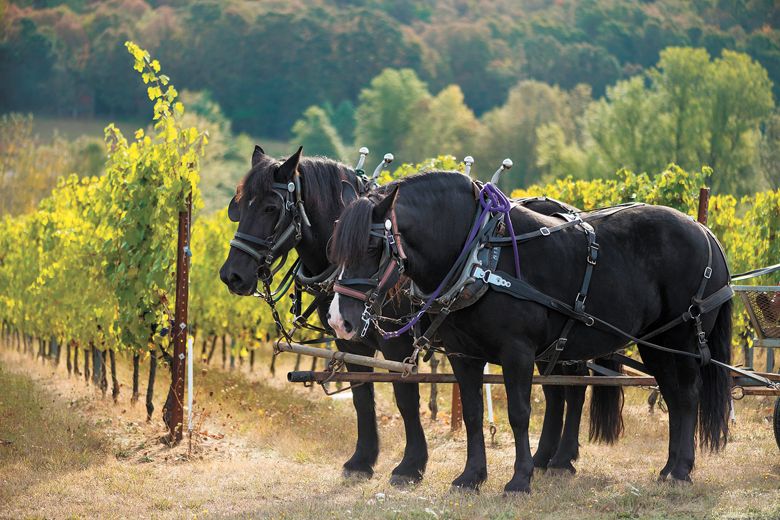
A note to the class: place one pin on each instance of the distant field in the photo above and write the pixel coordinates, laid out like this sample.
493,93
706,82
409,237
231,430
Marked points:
71,128
218,177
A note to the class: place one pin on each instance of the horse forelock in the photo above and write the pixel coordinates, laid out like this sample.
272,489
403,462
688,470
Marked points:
352,233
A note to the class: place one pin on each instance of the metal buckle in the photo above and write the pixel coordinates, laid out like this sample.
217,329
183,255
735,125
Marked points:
708,272
580,298
560,344
545,231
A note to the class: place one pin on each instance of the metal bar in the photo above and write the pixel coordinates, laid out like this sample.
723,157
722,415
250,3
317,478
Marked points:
756,288
179,330
494,379
498,379
393,366
760,391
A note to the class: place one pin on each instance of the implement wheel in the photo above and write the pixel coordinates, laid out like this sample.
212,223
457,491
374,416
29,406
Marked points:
777,422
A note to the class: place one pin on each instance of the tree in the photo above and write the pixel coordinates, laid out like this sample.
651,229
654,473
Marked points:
511,130
444,126
387,108
317,135
678,78
740,94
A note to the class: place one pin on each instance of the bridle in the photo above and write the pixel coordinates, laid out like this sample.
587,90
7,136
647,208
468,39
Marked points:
292,206
391,267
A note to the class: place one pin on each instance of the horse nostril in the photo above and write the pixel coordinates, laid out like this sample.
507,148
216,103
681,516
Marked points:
327,317
347,326
234,279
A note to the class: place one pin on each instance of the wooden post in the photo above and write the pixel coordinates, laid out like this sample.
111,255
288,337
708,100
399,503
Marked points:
704,205
180,326
456,413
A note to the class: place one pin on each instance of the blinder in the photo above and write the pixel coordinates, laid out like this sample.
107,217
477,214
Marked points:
266,254
391,267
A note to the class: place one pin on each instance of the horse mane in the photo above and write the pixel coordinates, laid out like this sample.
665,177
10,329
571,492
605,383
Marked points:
321,180
350,238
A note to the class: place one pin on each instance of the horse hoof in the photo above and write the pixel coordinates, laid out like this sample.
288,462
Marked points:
681,482
402,481
566,471
356,474
465,489
519,492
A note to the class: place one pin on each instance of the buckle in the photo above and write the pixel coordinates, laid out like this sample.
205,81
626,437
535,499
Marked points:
691,314
580,298
708,272
545,231
560,344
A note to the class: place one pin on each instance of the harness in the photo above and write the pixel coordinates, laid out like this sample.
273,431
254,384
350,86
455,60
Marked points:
476,271
275,249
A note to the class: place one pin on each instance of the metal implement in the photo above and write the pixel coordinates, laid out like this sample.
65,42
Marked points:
506,164
469,162
362,160
386,160
402,369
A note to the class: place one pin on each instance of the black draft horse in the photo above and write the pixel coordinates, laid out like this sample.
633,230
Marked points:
650,264
327,187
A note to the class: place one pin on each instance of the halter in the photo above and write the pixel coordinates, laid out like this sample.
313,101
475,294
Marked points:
292,204
391,267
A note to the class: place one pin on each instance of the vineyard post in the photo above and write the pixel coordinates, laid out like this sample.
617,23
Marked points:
180,328
456,410
704,205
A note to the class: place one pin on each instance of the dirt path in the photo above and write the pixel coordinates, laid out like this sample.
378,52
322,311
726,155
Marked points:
271,451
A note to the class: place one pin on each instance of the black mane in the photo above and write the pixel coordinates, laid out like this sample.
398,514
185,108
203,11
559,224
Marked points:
321,179
351,237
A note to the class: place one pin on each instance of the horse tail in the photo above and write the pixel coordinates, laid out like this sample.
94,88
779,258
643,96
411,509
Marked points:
606,409
715,401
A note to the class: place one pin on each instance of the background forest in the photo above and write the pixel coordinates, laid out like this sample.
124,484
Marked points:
575,88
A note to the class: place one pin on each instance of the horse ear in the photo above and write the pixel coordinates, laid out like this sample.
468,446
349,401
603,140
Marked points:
383,206
287,170
234,213
257,154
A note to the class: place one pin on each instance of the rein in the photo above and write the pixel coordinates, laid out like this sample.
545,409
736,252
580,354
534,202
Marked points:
494,202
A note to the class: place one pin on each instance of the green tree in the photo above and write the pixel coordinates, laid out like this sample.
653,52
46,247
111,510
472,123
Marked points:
445,125
511,130
387,109
317,135
740,94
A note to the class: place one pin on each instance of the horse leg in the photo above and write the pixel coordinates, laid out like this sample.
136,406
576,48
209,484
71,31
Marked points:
518,366
553,422
469,375
367,447
569,447
663,367
689,386
411,468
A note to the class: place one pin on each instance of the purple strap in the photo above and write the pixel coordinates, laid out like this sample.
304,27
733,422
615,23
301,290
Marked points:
491,200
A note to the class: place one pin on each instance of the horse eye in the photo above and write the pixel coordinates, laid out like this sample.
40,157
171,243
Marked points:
269,209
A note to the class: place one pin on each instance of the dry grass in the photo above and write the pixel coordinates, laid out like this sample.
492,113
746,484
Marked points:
271,450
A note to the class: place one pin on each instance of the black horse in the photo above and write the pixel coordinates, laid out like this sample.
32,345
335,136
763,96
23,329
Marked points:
326,187
651,262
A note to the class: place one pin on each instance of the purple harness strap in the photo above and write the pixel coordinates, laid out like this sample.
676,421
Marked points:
492,200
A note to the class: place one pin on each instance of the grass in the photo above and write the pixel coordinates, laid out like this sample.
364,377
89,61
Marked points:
274,450
38,438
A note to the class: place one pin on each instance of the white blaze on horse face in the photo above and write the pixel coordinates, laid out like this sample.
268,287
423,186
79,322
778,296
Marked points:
336,321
